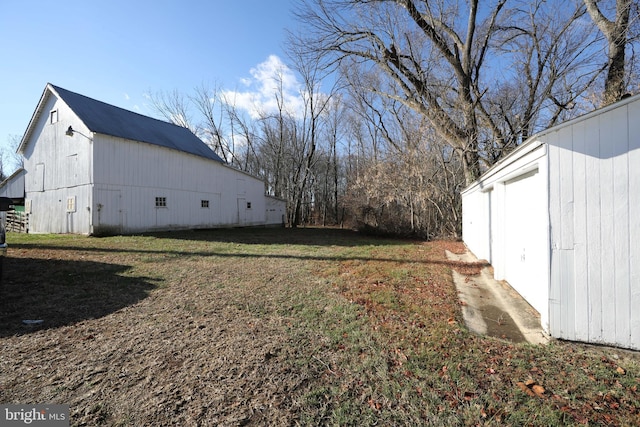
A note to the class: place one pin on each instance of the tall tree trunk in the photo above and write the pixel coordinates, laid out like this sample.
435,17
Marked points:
615,31
471,166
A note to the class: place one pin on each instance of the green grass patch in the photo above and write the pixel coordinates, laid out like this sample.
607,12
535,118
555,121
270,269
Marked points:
371,330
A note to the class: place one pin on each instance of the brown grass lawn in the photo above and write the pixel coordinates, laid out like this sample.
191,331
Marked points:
278,327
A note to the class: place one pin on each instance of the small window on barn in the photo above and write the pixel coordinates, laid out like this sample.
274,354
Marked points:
161,202
53,116
248,205
204,203
71,204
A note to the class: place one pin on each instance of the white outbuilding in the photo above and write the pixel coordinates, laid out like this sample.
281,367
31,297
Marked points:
559,220
93,168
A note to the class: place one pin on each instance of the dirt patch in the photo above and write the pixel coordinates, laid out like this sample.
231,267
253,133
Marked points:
167,348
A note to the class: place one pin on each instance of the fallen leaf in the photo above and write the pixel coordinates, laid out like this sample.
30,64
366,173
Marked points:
620,370
401,356
532,388
526,389
373,404
469,395
538,390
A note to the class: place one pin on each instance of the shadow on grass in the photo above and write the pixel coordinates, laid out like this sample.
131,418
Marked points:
63,292
312,236
177,244
471,268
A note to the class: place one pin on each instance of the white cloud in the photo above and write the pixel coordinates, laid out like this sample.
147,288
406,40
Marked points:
269,80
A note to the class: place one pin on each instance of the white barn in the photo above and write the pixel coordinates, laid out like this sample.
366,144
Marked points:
93,168
559,220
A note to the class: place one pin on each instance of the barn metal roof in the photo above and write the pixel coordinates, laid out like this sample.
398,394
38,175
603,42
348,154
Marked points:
107,119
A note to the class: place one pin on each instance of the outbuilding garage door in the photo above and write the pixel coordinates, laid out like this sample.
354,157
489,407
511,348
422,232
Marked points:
526,238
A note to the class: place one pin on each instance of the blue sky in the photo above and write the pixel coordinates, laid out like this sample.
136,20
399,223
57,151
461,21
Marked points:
117,51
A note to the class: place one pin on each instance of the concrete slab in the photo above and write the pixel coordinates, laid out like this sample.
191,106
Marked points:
494,308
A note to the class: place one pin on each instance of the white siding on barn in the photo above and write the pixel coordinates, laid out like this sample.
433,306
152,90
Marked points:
141,172
92,182
47,185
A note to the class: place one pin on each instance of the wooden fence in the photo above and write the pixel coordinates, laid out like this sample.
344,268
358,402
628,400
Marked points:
17,222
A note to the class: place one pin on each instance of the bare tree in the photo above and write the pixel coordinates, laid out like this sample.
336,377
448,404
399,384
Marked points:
276,141
207,102
3,171
242,133
412,186
442,59
615,30
311,70
402,38
174,108
179,109
549,60
368,109
332,187
17,160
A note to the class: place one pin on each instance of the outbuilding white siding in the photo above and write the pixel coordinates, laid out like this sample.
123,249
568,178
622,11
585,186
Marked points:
13,186
505,222
594,197
559,219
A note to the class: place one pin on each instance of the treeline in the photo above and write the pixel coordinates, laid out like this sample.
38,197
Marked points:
400,104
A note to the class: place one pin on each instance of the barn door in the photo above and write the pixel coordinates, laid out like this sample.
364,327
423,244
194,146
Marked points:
242,211
108,212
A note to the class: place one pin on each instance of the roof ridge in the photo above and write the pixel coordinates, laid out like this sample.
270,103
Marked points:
101,117
58,88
